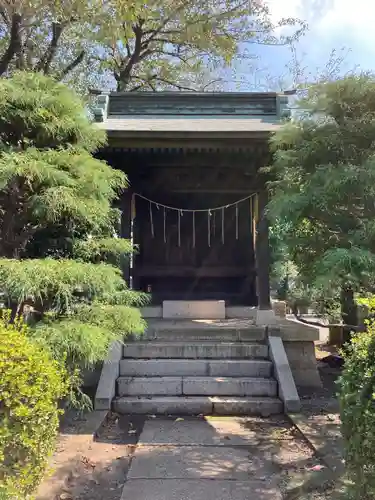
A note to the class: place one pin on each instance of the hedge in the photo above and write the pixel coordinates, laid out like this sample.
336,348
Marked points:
31,385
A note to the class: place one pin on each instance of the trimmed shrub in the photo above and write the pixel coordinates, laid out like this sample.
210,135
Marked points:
357,401
31,384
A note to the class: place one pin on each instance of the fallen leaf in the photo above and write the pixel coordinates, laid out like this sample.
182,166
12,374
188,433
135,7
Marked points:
316,468
179,420
87,461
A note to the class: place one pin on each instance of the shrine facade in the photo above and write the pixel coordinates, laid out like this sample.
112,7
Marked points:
195,203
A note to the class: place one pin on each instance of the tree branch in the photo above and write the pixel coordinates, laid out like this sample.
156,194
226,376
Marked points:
45,61
174,84
72,65
15,45
124,74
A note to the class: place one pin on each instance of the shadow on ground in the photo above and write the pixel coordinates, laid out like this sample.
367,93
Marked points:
257,449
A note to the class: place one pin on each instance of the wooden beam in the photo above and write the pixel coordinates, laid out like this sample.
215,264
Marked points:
197,272
262,252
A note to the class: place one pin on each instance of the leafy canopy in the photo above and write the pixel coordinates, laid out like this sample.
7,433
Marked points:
324,167
133,44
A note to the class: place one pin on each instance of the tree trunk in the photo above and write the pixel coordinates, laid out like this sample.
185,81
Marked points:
349,311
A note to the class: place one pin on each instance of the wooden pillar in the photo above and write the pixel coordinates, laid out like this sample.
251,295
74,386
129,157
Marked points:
262,251
126,221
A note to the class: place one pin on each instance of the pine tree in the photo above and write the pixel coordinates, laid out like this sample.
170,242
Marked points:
56,196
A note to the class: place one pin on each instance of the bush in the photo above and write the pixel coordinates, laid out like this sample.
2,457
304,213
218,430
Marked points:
85,337
115,251
357,401
31,384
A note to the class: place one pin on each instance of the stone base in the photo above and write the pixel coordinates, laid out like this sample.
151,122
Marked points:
302,361
265,317
194,309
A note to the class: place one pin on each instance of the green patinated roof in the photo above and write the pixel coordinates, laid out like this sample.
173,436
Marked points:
169,112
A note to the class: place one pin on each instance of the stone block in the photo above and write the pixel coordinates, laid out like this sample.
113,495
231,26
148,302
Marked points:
195,368
167,405
286,385
240,368
152,312
196,350
265,317
279,308
152,386
195,462
210,431
194,309
290,330
188,489
235,312
163,367
227,386
106,389
302,361
247,406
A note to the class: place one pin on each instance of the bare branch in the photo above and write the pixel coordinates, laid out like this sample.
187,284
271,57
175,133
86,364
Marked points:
68,69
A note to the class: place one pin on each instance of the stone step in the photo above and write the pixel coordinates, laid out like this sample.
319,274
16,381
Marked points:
195,367
172,405
217,334
196,386
195,350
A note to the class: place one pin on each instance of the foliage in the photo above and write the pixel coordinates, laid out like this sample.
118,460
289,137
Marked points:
36,111
357,401
171,42
67,301
138,45
42,188
51,187
56,285
48,37
85,337
114,250
324,168
31,384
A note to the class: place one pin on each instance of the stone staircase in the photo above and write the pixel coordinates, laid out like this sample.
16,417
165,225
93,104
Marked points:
191,368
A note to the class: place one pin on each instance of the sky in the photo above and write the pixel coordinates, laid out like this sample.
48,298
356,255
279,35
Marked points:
346,26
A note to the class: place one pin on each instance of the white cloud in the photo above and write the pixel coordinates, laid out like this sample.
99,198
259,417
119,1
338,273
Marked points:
333,24
329,17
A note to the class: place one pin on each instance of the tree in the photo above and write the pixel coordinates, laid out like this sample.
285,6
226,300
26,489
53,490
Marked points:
172,41
51,184
324,168
135,45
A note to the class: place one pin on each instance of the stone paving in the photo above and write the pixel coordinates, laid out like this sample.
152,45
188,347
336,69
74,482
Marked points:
216,458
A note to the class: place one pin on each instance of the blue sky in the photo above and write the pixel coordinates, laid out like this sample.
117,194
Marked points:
344,25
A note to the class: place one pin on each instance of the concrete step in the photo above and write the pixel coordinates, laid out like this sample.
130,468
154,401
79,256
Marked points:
195,350
195,367
196,386
172,405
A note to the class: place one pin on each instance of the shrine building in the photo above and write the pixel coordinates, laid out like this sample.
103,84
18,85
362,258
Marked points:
197,193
